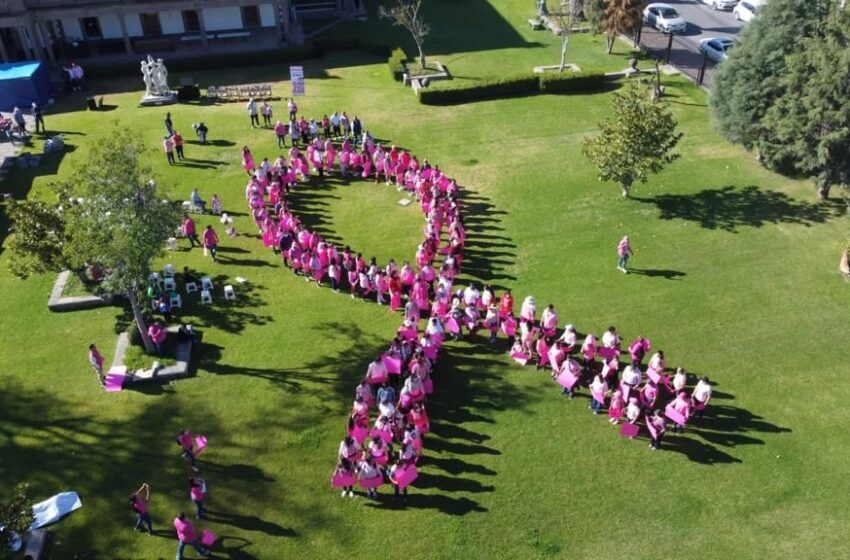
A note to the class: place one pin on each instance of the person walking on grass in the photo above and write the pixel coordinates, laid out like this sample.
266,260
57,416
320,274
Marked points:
211,242
187,445
624,251
169,126
139,506
168,145
186,534
197,493
190,232
178,144
280,132
38,116
96,361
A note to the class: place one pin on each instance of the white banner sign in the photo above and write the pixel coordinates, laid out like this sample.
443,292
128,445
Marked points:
296,76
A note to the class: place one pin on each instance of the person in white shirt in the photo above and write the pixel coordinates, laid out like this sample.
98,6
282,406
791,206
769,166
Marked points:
569,338
610,339
369,471
701,395
252,112
631,376
679,380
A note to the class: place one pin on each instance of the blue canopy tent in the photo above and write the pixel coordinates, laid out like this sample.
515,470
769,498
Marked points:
21,83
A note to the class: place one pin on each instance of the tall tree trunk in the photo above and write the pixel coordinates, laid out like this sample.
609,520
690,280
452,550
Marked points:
609,44
421,55
823,186
140,321
564,44
626,189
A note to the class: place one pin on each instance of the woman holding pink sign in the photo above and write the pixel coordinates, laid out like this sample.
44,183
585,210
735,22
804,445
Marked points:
197,493
598,388
370,477
187,444
343,477
657,427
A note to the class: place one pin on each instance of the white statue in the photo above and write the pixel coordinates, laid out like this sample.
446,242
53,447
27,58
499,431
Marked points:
155,76
163,77
146,76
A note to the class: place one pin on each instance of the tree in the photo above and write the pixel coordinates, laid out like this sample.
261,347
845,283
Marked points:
808,128
622,17
123,223
405,13
746,85
37,242
15,517
594,13
564,18
638,141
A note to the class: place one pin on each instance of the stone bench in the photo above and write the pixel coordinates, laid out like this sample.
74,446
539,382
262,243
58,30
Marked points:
72,303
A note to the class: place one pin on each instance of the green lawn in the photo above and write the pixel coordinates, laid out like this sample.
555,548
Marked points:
738,282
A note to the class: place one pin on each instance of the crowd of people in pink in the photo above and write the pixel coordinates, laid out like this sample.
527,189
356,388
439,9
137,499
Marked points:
389,419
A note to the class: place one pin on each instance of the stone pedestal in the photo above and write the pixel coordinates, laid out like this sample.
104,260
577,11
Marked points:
157,100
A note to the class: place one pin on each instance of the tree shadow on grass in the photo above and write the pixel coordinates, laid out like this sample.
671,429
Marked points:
731,208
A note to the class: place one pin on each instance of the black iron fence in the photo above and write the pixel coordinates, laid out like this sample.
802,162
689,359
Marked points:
678,52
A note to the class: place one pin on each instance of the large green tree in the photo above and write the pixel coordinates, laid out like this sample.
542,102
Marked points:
123,222
637,142
808,128
751,81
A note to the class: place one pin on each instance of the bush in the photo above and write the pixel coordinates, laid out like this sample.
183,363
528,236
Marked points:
569,82
396,64
507,86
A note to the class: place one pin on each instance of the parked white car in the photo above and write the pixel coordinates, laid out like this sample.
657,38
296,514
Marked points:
746,10
664,18
721,4
716,48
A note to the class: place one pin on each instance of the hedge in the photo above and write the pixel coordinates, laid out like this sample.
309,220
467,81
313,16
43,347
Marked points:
571,81
396,64
461,92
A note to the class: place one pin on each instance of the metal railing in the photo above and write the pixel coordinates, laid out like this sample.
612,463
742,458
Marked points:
678,52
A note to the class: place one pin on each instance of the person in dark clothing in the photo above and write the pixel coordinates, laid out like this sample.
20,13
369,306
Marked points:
38,115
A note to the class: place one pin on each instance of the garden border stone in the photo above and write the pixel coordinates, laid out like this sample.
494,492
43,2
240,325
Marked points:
72,303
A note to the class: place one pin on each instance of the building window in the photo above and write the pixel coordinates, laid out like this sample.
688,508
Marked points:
191,21
91,27
150,25
250,16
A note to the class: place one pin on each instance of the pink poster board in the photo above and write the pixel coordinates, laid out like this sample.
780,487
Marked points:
598,397
509,327
653,375
359,433
519,357
384,435
340,480
430,352
404,476
629,430
114,382
675,415
607,353
373,482
653,431
207,537
392,363
452,326
567,380
200,444
428,385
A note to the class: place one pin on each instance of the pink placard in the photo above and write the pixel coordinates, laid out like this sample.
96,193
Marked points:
392,363
567,380
430,352
380,459
598,397
675,415
113,382
200,444
405,476
384,435
509,328
653,375
359,433
428,385
409,333
373,482
653,431
519,357
607,353
340,480
615,413
452,326
207,537
629,430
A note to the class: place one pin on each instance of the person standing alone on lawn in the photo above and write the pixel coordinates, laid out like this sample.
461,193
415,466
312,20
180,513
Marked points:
96,361
168,145
38,115
178,144
252,112
140,508
169,126
624,250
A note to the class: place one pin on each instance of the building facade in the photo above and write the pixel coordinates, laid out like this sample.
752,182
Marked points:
54,30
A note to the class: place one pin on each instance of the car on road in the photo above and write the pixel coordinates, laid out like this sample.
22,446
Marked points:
716,48
664,18
746,10
721,4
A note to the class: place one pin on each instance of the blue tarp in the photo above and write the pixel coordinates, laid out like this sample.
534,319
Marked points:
21,83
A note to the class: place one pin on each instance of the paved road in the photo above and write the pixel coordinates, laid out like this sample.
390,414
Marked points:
703,21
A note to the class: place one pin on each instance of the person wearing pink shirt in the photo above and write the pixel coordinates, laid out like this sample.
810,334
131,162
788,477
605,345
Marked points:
280,132
96,361
168,145
624,251
190,232
186,534
139,506
187,444
197,493
158,335
211,241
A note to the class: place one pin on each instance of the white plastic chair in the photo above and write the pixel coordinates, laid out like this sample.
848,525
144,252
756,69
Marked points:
191,287
206,297
168,271
206,283
171,244
176,301
169,285
229,292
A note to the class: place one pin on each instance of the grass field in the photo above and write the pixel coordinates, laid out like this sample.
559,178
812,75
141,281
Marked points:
735,279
